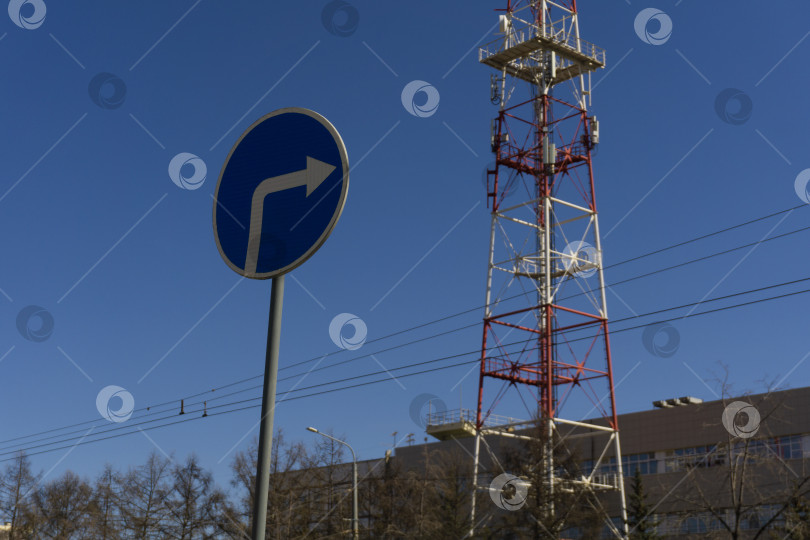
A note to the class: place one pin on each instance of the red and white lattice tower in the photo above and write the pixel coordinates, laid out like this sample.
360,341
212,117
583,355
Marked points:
546,323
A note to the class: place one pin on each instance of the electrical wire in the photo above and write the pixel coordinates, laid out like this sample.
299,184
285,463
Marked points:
389,378
478,308
715,233
679,244
173,403
82,440
294,389
699,259
691,315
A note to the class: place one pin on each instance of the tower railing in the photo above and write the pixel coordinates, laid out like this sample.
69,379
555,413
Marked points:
440,418
560,34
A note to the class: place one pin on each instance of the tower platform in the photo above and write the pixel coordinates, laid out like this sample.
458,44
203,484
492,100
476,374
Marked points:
579,55
460,423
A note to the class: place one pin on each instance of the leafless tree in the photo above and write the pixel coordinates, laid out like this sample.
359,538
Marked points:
288,514
391,500
16,485
326,483
243,480
65,507
190,502
142,490
227,520
743,486
105,522
797,521
448,496
423,482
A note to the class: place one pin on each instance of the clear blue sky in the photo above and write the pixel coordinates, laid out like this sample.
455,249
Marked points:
96,232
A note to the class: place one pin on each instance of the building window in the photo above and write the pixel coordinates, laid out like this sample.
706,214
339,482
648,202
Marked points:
785,447
645,462
680,459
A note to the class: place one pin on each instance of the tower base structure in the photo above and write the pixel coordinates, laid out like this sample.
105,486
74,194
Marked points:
545,337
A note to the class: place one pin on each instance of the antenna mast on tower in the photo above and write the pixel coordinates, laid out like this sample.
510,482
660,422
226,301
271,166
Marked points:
546,325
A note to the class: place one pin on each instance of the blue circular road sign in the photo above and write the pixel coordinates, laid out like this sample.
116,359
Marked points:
280,193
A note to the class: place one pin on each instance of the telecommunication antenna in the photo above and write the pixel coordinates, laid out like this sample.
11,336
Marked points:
545,331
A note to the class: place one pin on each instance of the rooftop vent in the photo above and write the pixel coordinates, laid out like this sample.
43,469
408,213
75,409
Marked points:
676,402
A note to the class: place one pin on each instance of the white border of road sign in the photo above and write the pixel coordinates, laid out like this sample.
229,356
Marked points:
345,189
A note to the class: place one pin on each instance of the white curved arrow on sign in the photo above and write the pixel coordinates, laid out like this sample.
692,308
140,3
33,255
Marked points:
313,176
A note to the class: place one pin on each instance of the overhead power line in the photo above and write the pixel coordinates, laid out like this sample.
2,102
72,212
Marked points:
715,233
126,427
112,427
154,409
173,404
635,258
83,440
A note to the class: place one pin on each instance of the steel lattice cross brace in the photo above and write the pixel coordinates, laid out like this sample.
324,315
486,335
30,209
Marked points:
546,323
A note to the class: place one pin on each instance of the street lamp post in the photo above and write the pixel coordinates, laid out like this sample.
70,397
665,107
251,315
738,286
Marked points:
355,521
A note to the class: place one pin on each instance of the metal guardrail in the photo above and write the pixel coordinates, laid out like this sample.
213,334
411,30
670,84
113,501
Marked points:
455,416
450,417
606,479
557,31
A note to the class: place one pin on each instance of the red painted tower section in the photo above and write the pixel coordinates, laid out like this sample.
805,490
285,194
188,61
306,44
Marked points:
545,332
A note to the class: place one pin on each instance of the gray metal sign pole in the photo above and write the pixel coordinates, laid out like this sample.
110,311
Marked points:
268,408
